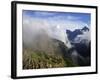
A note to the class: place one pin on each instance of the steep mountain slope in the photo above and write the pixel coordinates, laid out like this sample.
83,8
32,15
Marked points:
45,52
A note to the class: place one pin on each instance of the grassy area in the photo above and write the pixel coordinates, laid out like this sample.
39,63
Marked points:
40,59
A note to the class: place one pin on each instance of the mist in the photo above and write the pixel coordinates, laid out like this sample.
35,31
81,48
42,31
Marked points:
37,27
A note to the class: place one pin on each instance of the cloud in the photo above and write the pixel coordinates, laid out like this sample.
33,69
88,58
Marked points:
33,27
39,14
69,24
55,27
85,36
44,14
72,17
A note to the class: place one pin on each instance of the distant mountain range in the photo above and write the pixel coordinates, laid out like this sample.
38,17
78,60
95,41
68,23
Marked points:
73,34
81,44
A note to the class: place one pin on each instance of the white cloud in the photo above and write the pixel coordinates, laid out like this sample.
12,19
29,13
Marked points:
69,24
72,18
83,38
32,27
44,13
55,29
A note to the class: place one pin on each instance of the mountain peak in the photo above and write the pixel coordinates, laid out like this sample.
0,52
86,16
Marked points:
85,29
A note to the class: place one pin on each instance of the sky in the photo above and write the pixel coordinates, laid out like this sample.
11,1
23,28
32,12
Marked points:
58,16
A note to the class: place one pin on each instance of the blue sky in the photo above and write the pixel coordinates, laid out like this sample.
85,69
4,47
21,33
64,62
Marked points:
57,16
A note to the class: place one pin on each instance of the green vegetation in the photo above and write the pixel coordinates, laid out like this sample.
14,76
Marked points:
40,59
